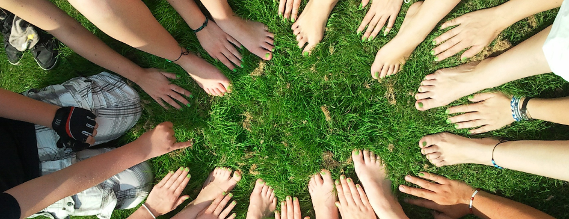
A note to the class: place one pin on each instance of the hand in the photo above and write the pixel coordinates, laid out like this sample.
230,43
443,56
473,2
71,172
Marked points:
216,209
491,111
286,6
165,196
475,30
353,202
220,45
156,84
290,209
449,197
161,140
379,13
75,127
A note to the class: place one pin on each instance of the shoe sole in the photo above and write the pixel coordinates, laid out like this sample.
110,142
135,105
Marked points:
52,66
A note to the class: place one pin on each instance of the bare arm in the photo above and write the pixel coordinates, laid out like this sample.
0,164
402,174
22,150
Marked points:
39,193
515,10
487,205
18,107
552,110
189,11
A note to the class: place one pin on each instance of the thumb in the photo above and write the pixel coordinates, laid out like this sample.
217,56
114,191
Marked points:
181,200
481,97
185,144
169,75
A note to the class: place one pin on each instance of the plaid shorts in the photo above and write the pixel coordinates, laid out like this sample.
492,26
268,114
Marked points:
117,107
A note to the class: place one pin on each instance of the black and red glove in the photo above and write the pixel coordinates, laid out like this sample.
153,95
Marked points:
73,125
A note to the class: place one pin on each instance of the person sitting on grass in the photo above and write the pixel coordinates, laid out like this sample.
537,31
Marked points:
30,197
542,53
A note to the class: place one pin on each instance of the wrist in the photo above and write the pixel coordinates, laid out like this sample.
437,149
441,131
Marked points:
150,210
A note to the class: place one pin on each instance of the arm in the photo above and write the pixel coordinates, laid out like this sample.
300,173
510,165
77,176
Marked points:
515,10
47,16
452,199
18,107
552,110
39,193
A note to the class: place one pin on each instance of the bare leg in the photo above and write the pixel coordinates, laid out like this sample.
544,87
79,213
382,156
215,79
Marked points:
321,189
372,173
544,158
131,22
263,201
420,20
311,24
447,85
253,35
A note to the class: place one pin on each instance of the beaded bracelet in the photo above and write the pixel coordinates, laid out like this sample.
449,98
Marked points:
514,104
472,200
203,25
494,162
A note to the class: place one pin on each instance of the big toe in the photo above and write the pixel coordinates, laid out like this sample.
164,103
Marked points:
259,186
326,176
236,176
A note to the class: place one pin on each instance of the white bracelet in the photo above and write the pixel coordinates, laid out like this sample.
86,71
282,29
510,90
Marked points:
472,200
143,205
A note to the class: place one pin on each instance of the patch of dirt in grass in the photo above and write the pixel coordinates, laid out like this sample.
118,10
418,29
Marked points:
326,113
331,49
247,121
500,46
390,147
390,94
253,170
426,166
259,70
532,21
328,161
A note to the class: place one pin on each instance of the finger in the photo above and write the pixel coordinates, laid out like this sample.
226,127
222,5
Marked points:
182,185
471,52
164,180
90,140
434,177
173,103
178,97
378,26
296,208
295,7
366,21
471,116
227,210
232,58
372,25
181,200
215,203
180,90
222,204
159,101
390,24
169,75
289,208
173,178
363,195
282,7
421,193
444,40
453,50
453,22
422,183
223,59
424,203
482,129
288,8
470,124
234,52
467,108
181,145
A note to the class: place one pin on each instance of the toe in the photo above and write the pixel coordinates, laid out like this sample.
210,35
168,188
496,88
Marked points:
327,176
318,179
425,104
258,186
422,96
357,156
383,71
430,150
372,157
366,156
425,88
265,190
236,176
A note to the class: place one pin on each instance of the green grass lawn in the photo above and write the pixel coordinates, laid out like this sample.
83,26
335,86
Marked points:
273,125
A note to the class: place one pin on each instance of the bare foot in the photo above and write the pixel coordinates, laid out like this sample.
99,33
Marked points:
449,84
206,75
263,201
253,35
311,24
447,149
373,176
321,189
218,182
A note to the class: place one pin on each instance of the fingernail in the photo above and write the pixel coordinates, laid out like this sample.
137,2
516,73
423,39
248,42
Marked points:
349,180
262,182
273,49
447,111
420,105
295,199
241,65
370,38
358,185
234,203
230,195
223,193
359,32
305,53
401,188
361,6
322,172
189,176
233,215
189,105
180,168
187,169
293,19
288,198
436,59
456,126
191,96
342,177
337,181
448,121
186,198
433,52
267,55
421,174
424,143
337,204
463,59
470,96
234,70
434,43
364,39
357,152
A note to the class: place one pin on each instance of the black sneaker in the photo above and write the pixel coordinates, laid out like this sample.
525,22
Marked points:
14,55
45,52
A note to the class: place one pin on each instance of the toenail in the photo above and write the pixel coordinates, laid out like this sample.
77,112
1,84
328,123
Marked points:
421,174
463,59
424,143
293,19
234,70
337,181
436,59
230,195
233,202
189,105
171,172
357,152
358,185
364,39
448,121
370,38
349,180
447,111
305,53
288,198
267,55
359,32
223,193
233,215
376,74
342,177
434,43
420,105
189,176
322,172
187,169
361,6
273,49
456,126
433,52
470,96
295,199
337,204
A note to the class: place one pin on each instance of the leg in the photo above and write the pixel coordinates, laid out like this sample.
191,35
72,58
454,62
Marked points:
544,158
447,85
131,22
311,24
263,201
321,189
253,35
218,182
372,173
420,20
